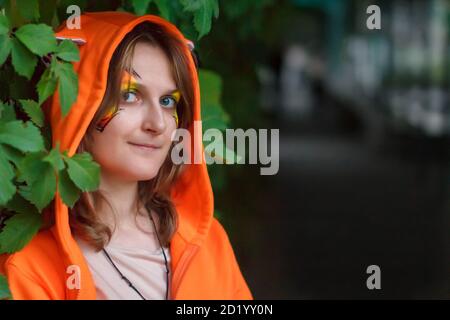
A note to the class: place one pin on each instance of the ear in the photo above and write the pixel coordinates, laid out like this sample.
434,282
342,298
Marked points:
78,41
194,53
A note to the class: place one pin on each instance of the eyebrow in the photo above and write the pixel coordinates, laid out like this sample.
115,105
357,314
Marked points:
135,73
140,84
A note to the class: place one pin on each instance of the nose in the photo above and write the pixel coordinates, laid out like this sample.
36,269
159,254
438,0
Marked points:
154,120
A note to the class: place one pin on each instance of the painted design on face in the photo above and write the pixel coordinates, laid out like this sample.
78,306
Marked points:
176,95
128,83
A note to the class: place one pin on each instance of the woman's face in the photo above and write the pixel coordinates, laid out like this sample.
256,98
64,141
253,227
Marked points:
145,116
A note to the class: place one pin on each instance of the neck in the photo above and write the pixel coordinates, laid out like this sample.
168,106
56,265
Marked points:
122,195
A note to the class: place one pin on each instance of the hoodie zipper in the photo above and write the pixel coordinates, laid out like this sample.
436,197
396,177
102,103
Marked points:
185,259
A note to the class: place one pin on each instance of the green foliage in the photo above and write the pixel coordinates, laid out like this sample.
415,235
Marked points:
23,60
33,110
83,172
185,13
19,230
31,170
67,83
38,38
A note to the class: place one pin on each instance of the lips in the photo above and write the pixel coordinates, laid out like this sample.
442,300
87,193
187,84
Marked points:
144,145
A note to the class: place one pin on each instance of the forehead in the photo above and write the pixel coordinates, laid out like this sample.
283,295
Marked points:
152,66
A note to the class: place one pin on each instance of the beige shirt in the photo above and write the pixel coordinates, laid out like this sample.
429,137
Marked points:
138,256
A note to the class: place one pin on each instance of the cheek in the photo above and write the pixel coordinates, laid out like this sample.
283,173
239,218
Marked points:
111,151
106,144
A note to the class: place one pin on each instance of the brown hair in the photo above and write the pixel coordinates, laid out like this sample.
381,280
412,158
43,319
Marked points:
154,194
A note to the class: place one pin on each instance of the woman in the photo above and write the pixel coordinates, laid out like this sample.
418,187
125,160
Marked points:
148,232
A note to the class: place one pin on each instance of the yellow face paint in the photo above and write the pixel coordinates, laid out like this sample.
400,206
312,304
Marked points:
128,83
176,95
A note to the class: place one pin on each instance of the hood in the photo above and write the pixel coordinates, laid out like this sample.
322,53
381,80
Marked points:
99,36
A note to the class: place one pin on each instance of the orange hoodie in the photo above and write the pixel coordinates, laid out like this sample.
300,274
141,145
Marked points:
203,263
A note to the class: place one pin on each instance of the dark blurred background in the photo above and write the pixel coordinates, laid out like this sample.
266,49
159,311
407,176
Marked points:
364,146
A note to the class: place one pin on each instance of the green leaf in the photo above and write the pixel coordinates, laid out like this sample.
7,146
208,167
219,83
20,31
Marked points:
4,24
211,86
164,9
7,187
13,155
18,204
140,6
7,112
33,110
18,231
202,18
216,8
213,115
42,191
23,60
4,289
203,11
39,38
67,189
22,136
83,171
46,86
68,85
29,9
55,159
31,166
191,5
5,47
68,51
47,10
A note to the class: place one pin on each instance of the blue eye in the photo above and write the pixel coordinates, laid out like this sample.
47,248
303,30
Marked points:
168,102
129,96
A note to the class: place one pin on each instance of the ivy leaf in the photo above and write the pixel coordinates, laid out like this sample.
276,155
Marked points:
67,189
31,166
191,5
5,48
22,136
4,289
7,187
39,38
13,155
164,9
18,231
29,9
203,17
42,191
46,86
7,112
33,110
203,11
4,24
140,6
213,116
23,60
68,51
55,159
68,85
19,205
83,171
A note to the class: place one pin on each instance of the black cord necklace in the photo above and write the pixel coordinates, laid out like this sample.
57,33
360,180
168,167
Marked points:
128,281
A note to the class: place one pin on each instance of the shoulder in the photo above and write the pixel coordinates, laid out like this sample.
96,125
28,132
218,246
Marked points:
217,234
42,247
38,265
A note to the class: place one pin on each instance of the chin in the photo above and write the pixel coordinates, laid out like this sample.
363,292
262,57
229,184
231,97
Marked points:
146,173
